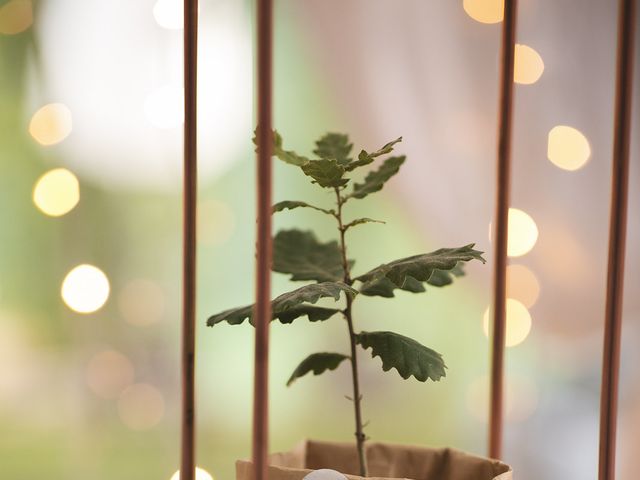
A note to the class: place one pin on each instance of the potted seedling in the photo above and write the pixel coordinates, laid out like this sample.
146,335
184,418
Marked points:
301,255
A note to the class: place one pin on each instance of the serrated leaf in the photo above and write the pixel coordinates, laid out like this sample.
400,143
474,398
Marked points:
300,254
336,146
287,156
407,356
383,287
325,172
291,305
375,180
360,221
404,273
291,204
317,363
365,158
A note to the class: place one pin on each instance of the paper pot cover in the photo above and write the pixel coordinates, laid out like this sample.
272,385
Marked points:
385,462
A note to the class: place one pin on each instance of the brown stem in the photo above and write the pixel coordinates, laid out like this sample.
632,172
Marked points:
357,397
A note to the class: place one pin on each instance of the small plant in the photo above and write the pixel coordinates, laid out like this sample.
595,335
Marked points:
299,253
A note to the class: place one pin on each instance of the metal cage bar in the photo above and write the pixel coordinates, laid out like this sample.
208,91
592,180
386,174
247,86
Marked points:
262,313
501,220
189,205
617,239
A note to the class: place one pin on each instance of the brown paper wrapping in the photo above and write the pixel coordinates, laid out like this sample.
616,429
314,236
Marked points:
385,462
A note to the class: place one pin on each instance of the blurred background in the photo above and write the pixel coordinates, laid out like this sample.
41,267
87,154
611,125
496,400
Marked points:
90,155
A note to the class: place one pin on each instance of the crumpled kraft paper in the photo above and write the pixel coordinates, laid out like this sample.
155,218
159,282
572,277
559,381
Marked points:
385,462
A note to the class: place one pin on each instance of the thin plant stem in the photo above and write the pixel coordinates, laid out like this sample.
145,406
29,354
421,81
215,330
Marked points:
357,397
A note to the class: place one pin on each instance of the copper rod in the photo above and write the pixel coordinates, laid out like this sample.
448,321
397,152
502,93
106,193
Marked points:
262,314
190,194
501,220
617,240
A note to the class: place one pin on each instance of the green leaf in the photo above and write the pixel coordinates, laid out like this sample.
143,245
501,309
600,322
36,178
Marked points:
325,172
406,273
291,305
317,363
383,287
288,156
365,158
300,254
360,221
291,204
407,356
375,180
334,146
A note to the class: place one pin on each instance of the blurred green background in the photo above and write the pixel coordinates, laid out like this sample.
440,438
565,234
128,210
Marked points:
96,395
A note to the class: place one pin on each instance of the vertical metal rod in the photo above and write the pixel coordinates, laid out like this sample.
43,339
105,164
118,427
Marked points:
617,240
501,220
190,194
262,312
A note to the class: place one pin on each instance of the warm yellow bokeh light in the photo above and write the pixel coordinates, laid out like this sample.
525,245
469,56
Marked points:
109,373
518,323
85,289
201,474
528,65
523,233
568,148
484,11
51,124
15,16
522,285
169,14
141,406
56,192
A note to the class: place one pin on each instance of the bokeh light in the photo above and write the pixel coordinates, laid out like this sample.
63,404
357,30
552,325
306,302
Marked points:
16,16
216,222
522,285
484,11
109,373
528,65
201,474
141,302
51,124
141,406
518,323
521,397
164,108
169,14
523,233
56,192
568,148
85,289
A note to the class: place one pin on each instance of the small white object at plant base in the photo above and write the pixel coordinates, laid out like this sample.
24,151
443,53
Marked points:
325,474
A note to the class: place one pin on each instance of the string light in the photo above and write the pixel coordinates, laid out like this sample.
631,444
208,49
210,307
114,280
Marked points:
568,148
51,124
56,192
16,16
85,289
201,474
528,65
522,285
518,323
523,233
484,11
